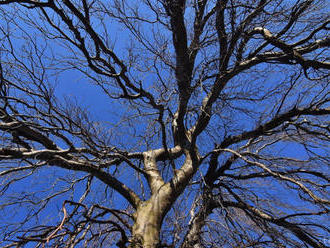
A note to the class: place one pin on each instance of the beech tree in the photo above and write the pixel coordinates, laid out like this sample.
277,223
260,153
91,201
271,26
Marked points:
164,123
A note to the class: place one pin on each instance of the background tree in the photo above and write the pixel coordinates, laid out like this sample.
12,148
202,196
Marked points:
196,123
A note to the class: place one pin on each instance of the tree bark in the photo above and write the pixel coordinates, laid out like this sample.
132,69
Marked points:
148,219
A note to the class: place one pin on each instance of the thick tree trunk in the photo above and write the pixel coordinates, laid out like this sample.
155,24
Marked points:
148,220
149,214
147,225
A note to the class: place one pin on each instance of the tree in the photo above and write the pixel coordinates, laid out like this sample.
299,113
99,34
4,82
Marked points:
209,128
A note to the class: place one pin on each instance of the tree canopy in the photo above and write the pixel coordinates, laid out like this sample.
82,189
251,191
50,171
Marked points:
164,123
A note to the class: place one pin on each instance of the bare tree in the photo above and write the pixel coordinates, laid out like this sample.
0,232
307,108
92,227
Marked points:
209,128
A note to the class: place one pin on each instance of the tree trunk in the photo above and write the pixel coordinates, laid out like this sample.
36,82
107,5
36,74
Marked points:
148,221
149,214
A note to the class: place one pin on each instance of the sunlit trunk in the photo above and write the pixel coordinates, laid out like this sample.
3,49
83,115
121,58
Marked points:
148,220
149,214
147,226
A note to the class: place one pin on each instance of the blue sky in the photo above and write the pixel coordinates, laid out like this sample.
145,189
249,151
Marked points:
75,87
